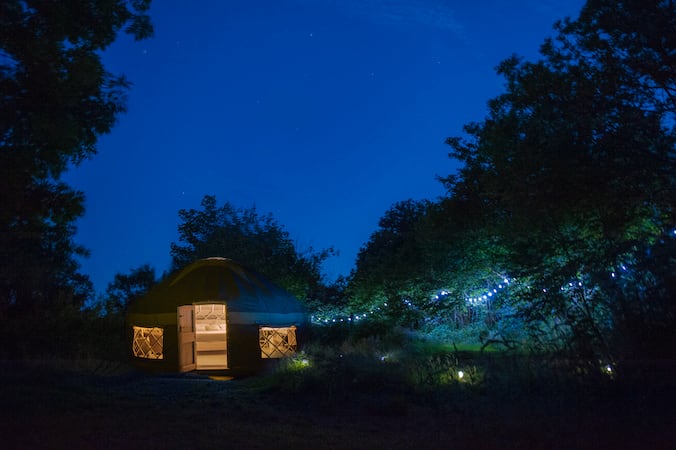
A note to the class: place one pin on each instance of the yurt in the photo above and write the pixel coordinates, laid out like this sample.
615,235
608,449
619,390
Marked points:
213,314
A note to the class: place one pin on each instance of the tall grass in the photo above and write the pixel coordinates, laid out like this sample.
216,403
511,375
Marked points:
389,372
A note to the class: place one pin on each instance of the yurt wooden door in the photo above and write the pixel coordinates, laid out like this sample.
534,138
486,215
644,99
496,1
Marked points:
186,338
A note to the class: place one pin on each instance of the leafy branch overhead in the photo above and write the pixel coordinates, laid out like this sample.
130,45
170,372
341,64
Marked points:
56,99
253,239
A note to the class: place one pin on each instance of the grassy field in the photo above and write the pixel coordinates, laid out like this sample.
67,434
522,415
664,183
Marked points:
350,405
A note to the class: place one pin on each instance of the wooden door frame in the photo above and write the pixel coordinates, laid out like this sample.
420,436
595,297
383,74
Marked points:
185,323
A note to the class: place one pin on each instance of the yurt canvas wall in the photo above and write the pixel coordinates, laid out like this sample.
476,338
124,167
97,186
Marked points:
213,314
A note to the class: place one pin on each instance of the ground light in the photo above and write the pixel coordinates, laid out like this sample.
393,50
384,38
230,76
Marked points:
298,362
609,370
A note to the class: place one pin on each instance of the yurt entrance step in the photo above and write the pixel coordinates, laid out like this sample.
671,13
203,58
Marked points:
211,350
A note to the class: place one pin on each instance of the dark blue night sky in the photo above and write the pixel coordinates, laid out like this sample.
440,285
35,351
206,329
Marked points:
323,113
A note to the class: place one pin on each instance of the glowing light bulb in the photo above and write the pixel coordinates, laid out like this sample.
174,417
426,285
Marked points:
461,374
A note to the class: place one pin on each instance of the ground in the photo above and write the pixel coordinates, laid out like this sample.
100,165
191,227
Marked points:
106,405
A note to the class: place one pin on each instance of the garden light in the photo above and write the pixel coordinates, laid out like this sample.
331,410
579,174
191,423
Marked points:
461,374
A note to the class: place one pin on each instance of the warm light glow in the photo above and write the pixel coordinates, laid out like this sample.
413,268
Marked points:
277,342
148,343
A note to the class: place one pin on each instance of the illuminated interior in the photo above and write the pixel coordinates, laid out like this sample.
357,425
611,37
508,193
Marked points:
210,337
277,342
148,342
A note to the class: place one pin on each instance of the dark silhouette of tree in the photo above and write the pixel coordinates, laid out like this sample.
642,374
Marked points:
574,173
105,319
56,99
127,287
253,239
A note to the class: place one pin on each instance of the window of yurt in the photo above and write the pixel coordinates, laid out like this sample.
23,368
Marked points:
277,342
148,342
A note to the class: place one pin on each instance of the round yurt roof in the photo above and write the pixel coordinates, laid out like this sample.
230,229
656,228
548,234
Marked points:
218,280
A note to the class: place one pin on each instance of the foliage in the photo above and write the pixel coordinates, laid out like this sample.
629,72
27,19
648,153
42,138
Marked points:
390,267
573,175
253,239
126,287
56,99
391,373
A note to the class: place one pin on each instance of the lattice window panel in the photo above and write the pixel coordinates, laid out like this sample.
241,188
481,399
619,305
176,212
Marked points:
277,342
148,342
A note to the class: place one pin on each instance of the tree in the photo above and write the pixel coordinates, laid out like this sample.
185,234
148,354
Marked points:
255,240
127,287
391,266
574,173
56,99
466,258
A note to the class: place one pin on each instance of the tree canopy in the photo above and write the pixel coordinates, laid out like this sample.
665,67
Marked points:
253,239
390,267
574,170
566,190
56,99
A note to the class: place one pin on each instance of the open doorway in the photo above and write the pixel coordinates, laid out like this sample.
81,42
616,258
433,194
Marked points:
211,344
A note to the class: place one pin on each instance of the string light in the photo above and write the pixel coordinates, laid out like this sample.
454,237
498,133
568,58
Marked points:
479,300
